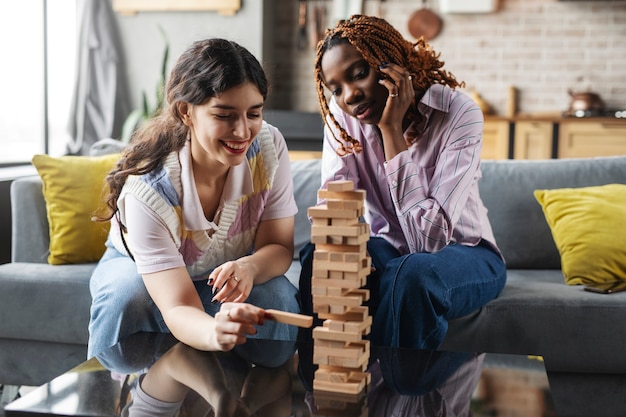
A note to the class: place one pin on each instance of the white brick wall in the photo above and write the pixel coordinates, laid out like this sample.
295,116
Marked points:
543,47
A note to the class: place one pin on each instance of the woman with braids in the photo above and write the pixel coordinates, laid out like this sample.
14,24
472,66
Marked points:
398,128
202,214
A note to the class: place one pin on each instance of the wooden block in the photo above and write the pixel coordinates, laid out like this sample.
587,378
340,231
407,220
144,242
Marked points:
347,283
323,374
358,230
326,334
353,300
336,344
352,350
360,327
324,212
341,195
360,248
340,185
334,325
322,255
343,222
293,319
338,204
355,314
357,381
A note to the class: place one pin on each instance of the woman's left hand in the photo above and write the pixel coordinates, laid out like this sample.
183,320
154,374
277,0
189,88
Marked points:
231,282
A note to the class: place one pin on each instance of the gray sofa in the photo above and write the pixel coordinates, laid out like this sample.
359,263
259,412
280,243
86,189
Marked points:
44,309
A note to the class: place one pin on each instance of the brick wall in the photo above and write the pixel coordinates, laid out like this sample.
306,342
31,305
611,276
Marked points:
543,47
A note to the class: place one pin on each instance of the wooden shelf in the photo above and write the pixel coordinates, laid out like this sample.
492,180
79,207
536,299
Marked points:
223,7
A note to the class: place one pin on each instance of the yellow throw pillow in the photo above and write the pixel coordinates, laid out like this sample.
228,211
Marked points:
74,189
589,229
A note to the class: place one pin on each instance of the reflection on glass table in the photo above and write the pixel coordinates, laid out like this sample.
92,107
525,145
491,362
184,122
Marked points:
153,374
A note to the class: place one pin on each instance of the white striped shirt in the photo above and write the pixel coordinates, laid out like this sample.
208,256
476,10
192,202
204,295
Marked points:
426,197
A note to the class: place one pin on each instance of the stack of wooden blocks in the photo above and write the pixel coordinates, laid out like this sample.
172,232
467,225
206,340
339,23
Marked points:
340,269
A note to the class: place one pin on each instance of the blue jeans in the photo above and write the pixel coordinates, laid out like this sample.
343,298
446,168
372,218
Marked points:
121,305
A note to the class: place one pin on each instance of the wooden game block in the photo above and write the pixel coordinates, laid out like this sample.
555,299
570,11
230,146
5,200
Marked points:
339,204
317,221
360,327
361,273
324,333
323,374
343,222
348,283
338,308
340,185
321,309
319,291
344,231
340,265
352,363
334,325
355,314
321,255
357,381
335,344
341,195
353,300
352,350
324,212
293,319
334,292
361,249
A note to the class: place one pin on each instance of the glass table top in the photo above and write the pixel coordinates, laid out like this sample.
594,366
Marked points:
275,378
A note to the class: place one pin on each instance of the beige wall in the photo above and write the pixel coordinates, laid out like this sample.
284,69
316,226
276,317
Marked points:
543,47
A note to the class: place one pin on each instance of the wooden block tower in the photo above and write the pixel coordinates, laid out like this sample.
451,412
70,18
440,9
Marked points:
340,269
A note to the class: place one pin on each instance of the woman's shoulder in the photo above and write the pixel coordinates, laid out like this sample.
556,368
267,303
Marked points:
443,98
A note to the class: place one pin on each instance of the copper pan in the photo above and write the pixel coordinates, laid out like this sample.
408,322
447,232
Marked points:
424,22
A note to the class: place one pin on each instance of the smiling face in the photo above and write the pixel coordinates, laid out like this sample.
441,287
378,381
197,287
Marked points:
223,128
353,83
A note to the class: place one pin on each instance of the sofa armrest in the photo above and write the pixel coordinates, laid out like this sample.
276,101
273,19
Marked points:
30,235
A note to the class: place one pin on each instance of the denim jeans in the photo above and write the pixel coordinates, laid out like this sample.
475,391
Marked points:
121,305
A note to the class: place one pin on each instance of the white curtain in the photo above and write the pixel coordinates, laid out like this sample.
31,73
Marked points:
100,102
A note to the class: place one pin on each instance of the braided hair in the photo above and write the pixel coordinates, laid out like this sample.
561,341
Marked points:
379,42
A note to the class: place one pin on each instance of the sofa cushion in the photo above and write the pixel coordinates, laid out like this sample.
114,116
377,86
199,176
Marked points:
47,303
537,314
73,188
518,223
589,230
306,181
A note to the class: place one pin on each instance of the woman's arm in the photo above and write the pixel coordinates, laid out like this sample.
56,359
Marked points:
271,258
176,297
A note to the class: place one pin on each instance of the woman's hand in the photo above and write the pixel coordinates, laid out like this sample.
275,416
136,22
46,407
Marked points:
235,322
231,282
401,94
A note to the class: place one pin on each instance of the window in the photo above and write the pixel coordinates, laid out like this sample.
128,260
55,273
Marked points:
38,43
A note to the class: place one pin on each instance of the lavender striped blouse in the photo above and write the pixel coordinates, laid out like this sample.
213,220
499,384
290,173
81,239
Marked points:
426,197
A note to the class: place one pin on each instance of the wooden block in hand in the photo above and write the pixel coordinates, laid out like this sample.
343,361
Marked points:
294,319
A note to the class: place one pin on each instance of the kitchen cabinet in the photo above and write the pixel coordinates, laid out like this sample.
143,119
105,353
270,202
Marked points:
591,137
533,139
496,134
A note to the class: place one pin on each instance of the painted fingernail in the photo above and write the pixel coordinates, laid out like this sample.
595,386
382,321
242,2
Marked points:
214,301
383,65
210,282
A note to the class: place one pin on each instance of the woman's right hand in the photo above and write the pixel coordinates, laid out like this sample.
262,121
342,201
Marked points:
235,322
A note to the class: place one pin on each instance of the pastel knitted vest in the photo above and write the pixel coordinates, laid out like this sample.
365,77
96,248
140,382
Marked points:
161,190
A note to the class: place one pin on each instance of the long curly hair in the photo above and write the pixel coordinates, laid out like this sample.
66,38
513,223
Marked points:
205,70
379,42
